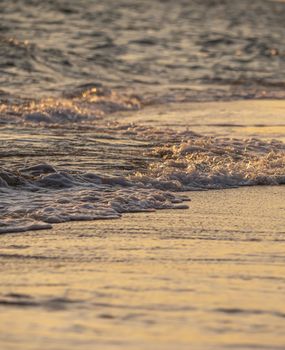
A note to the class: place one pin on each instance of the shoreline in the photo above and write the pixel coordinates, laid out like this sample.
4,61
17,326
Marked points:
221,262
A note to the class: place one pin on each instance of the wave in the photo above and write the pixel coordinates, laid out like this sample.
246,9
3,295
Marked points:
46,196
83,104
140,169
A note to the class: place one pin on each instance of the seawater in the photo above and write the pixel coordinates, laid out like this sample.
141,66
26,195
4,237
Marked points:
67,66
163,48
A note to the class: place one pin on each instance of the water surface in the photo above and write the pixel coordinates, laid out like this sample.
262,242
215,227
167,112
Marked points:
178,50
67,67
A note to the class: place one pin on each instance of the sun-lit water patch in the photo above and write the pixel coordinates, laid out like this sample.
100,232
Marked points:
83,104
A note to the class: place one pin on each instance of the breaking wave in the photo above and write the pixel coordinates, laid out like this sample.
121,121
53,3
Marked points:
100,171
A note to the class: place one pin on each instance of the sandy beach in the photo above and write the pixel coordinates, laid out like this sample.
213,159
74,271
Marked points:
211,277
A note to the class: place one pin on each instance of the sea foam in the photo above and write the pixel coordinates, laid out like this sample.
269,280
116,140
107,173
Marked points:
158,165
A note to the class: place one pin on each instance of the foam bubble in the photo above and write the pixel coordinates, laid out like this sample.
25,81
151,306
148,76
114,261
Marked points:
209,162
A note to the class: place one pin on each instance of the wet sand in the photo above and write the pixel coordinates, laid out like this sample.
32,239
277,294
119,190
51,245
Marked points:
211,277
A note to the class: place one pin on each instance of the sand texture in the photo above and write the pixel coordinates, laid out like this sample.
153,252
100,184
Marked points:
211,277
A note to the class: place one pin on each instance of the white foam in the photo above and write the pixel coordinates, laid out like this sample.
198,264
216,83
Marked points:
209,162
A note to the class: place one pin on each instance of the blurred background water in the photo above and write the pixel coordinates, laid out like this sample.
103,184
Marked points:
181,49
